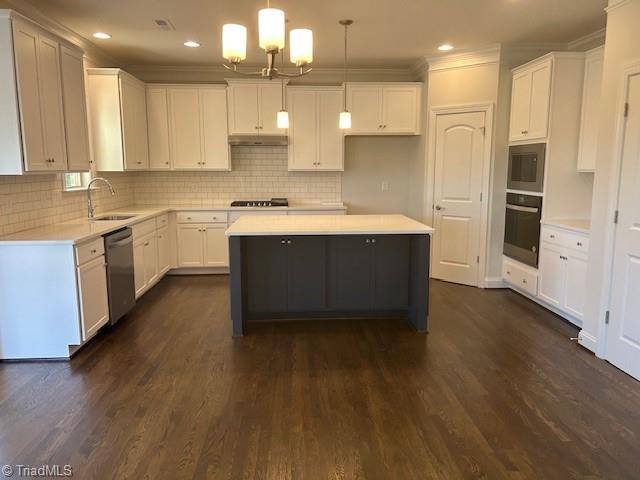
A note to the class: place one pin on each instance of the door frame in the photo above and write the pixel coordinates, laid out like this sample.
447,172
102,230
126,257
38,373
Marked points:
630,69
487,165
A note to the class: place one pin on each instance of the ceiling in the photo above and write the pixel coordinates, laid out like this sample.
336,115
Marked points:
389,33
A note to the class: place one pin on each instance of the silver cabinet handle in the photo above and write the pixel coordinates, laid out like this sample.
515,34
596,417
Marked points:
520,208
146,244
283,241
438,207
552,236
288,242
579,244
94,251
524,281
508,272
368,241
373,240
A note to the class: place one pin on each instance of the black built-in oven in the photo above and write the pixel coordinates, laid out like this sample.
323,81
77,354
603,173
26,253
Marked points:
522,228
526,167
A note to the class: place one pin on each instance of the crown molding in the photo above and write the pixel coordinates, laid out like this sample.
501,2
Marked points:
615,4
32,13
595,38
470,58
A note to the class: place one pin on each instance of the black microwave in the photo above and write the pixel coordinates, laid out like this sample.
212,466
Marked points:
526,167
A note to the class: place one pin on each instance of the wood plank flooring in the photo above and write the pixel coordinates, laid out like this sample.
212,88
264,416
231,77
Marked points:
496,390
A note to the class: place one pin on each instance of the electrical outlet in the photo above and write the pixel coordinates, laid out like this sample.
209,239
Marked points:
385,185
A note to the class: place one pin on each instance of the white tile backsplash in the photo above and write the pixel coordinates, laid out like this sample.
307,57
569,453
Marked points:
258,172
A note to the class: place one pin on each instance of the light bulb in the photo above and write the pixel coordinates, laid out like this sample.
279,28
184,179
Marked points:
234,42
301,46
271,29
282,119
345,120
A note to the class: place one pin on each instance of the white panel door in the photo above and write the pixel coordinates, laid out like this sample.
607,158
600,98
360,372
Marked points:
158,128
459,148
576,284
75,109
330,136
215,139
623,336
184,124
25,40
190,245
539,105
216,246
150,259
138,265
55,148
365,105
400,110
270,104
551,282
94,304
303,131
243,109
164,251
520,103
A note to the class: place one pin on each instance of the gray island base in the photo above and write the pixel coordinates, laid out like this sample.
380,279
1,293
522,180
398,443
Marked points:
313,267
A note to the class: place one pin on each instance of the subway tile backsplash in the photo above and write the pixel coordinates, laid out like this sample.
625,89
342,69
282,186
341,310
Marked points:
258,172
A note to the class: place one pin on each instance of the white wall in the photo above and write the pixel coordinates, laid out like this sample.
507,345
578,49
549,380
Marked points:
621,47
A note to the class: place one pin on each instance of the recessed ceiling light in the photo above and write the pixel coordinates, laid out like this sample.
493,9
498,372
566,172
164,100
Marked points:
191,44
445,47
102,35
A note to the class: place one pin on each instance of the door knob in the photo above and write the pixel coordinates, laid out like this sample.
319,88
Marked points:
438,207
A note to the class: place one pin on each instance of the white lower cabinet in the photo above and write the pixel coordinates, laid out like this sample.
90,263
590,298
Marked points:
202,245
92,292
552,273
145,262
164,251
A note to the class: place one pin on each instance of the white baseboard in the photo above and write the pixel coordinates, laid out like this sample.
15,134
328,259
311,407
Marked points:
494,282
542,303
587,340
199,271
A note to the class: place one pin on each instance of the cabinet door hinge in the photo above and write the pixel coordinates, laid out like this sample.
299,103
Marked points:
483,130
626,109
615,217
480,196
478,259
606,318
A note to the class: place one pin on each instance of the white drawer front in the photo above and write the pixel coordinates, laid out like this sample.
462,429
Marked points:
143,228
89,250
578,242
201,217
162,221
563,238
520,277
552,235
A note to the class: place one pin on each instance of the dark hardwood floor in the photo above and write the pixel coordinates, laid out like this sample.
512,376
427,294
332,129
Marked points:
496,390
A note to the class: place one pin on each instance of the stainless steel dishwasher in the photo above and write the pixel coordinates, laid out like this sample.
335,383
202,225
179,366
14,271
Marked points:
120,276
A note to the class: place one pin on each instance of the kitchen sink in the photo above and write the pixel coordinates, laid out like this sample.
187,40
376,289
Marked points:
112,218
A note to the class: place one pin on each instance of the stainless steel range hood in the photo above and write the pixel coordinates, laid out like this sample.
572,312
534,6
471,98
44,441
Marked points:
258,140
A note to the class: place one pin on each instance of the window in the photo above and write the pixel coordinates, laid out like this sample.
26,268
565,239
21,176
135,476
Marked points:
75,181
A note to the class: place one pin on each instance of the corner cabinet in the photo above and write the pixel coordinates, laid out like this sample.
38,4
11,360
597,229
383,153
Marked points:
43,124
118,112
253,107
315,140
187,127
384,108
530,99
589,122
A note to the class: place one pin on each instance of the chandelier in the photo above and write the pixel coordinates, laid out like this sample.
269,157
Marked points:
271,34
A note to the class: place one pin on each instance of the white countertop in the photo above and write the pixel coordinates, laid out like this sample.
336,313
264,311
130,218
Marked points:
582,225
326,225
82,230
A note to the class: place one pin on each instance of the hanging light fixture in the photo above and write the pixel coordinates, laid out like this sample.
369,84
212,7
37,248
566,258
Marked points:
345,115
271,37
282,117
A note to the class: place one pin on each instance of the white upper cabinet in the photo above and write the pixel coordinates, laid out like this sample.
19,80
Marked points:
198,136
530,98
75,109
253,106
41,100
158,128
384,108
315,140
118,112
591,94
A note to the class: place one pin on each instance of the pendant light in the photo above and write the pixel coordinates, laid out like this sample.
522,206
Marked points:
345,115
282,117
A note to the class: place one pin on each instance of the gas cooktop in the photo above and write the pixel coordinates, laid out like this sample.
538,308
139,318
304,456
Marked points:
274,202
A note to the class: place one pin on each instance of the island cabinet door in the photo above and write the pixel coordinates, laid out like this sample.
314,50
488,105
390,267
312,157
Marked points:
266,259
351,267
391,272
306,273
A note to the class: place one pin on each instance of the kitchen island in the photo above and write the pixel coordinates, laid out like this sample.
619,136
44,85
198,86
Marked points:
328,266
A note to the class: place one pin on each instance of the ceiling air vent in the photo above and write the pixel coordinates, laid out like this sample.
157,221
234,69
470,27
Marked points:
164,24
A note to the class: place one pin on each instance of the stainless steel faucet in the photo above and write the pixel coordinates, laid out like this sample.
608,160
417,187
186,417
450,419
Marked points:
89,201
